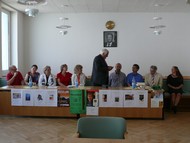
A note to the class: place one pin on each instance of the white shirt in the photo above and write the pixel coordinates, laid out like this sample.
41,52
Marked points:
82,79
43,80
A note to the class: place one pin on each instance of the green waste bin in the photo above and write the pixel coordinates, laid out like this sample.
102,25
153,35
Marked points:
77,101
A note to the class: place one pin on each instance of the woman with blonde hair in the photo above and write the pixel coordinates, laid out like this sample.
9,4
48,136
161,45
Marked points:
47,78
78,76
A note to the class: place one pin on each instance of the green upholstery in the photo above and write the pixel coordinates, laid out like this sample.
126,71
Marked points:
3,82
186,87
101,127
88,82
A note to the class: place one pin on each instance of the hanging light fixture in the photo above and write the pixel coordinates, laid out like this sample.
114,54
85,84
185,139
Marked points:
31,4
63,26
157,28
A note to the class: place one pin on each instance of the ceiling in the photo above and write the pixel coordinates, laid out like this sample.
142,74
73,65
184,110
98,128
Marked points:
94,6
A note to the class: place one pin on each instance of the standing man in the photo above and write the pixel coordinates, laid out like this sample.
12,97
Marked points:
153,78
135,74
14,77
100,70
117,78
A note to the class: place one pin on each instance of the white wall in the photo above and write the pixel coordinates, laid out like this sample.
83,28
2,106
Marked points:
136,42
17,40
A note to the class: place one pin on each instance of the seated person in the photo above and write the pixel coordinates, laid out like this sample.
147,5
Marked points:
78,76
135,74
47,79
153,78
14,77
175,84
117,78
33,74
64,77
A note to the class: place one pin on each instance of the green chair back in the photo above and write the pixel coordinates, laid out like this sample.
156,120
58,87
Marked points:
101,127
3,82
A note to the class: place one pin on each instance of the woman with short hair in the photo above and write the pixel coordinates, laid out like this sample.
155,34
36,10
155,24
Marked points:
33,74
47,78
64,77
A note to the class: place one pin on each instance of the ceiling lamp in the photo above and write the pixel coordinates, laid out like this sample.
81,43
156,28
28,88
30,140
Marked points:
157,28
29,2
63,27
32,12
31,9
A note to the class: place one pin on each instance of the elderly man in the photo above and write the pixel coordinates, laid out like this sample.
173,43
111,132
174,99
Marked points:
100,70
14,77
153,78
117,78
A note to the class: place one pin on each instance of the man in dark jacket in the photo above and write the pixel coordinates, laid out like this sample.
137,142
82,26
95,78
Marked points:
100,70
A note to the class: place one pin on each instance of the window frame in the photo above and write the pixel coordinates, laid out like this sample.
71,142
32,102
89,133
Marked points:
3,10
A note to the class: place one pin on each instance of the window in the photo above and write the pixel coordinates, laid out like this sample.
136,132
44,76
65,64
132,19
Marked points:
5,28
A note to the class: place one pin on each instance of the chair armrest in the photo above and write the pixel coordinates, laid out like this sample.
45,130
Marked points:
75,135
125,135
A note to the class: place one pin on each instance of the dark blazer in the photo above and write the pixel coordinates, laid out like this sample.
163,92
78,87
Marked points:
100,71
114,44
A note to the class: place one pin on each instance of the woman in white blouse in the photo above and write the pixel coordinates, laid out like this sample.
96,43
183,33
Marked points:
78,76
47,78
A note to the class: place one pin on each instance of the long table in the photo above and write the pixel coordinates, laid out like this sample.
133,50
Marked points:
7,109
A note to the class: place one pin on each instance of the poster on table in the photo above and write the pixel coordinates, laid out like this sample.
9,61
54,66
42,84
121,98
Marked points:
63,98
157,100
16,97
104,98
129,98
92,111
135,98
45,97
142,100
39,97
51,98
110,98
116,98
27,98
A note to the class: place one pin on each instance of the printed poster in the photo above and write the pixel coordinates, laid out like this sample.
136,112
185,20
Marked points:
51,98
104,98
116,98
27,98
63,98
135,98
45,97
16,97
129,98
92,111
142,96
157,101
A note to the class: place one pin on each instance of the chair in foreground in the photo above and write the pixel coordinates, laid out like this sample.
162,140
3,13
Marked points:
101,127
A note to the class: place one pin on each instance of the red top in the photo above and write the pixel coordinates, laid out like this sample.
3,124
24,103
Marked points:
64,79
18,79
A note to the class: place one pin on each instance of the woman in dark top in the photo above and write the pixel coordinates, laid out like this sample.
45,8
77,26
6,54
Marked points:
175,84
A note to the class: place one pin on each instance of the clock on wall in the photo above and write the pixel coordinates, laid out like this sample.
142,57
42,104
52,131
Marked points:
110,25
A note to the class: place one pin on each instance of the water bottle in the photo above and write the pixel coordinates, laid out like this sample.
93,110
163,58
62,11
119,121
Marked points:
30,83
133,83
43,81
76,83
